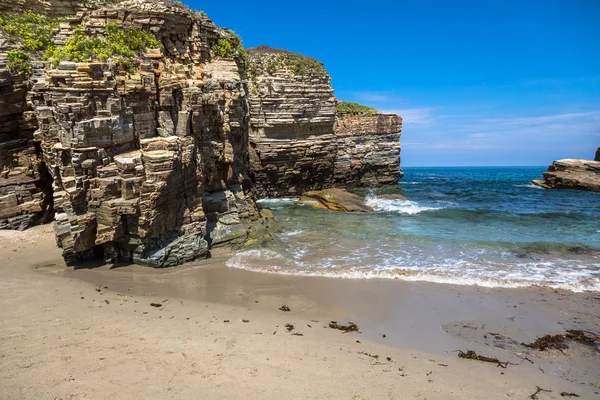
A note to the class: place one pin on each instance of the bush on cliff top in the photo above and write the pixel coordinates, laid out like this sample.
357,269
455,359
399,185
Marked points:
353,107
33,32
123,43
268,59
229,47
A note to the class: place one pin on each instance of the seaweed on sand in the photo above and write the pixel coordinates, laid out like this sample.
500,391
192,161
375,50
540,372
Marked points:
557,342
471,355
351,327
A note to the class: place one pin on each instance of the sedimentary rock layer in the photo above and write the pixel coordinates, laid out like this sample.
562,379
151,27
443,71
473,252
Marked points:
572,174
299,143
25,197
149,163
153,161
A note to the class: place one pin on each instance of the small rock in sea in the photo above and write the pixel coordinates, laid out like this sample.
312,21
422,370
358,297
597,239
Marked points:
285,308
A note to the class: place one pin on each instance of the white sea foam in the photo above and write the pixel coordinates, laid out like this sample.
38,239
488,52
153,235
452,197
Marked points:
277,202
400,206
457,272
531,186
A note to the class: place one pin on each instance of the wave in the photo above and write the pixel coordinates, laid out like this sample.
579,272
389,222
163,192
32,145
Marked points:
530,185
396,205
277,202
576,281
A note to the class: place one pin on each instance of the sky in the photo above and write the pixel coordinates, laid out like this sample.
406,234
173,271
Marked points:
488,82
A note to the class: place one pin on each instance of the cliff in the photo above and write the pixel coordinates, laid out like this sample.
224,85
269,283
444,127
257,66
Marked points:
141,126
572,174
298,142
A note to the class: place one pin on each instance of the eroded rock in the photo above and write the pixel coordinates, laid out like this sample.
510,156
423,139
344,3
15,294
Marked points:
572,174
335,199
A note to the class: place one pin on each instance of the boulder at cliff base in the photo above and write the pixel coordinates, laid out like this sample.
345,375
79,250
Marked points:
335,199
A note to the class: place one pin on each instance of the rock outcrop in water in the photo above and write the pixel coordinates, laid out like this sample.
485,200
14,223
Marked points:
572,174
298,142
335,199
158,159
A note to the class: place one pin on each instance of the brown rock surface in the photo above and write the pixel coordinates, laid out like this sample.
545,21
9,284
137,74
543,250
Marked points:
148,165
335,199
155,163
572,174
299,143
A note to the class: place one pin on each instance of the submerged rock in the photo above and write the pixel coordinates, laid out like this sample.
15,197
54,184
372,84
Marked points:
572,174
335,199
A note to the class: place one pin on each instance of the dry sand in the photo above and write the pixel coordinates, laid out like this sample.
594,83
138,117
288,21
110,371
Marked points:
92,334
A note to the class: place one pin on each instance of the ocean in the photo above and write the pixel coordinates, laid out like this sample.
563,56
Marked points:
482,226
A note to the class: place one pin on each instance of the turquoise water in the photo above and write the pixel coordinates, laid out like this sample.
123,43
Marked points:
484,226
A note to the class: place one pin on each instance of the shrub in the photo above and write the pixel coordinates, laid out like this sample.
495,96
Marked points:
18,62
352,107
34,31
229,47
122,43
267,59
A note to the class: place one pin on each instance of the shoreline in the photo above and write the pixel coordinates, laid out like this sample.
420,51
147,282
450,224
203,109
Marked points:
426,321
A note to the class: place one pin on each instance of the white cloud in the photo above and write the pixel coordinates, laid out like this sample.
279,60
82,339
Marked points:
414,115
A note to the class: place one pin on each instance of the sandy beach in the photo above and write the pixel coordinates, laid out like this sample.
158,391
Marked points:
92,333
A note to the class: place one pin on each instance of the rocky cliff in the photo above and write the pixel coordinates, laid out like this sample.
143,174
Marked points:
149,154
572,174
148,162
297,140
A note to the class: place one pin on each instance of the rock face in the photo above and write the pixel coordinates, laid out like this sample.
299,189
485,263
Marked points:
572,174
297,140
154,162
334,199
148,165
597,157
25,190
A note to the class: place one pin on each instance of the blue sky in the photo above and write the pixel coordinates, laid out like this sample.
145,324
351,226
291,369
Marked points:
478,82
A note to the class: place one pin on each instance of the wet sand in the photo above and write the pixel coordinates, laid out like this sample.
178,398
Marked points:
92,334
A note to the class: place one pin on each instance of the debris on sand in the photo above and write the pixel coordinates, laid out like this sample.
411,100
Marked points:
471,355
297,334
245,321
557,342
351,327
539,390
375,356
565,394
285,308
156,305
289,327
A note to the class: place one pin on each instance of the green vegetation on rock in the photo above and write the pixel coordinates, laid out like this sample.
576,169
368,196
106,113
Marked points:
229,47
18,62
33,32
267,59
353,107
119,42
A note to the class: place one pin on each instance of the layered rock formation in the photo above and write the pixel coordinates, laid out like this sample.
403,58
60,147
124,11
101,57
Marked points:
148,165
25,190
154,161
572,174
297,140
